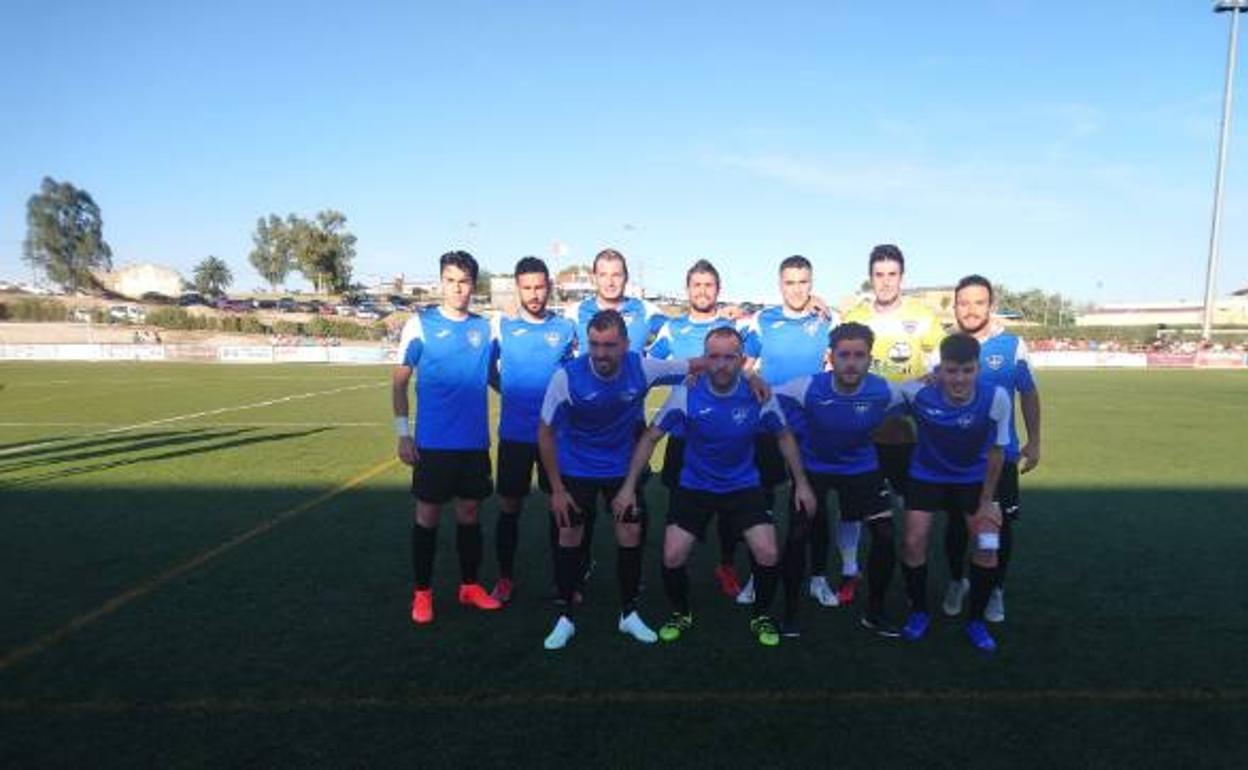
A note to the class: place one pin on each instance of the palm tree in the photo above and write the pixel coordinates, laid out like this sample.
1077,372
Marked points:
212,276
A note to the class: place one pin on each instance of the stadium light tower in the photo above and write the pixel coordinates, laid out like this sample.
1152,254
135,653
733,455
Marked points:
1234,7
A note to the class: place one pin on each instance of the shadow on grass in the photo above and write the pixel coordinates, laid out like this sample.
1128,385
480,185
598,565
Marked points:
105,446
295,648
195,443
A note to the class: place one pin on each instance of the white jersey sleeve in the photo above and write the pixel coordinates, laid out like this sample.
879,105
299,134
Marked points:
657,369
1001,411
557,396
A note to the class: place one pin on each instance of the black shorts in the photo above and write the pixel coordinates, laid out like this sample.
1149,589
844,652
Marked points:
770,462
673,461
586,491
442,474
895,465
1007,491
692,509
516,460
953,499
859,495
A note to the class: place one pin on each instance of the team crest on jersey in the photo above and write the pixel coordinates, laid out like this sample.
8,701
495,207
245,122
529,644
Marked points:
552,339
995,361
899,352
910,327
474,338
862,407
965,420
740,414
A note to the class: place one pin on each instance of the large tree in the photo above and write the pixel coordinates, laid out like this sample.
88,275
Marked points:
273,254
212,276
323,249
64,234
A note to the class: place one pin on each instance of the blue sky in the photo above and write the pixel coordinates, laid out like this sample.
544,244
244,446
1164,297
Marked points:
1065,145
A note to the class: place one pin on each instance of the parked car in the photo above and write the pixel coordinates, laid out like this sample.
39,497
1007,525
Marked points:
234,305
127,313
286,305
191,298
368,313
80,315
344,310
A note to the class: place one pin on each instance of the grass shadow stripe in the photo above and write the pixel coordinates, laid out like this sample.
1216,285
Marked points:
525,699
148,585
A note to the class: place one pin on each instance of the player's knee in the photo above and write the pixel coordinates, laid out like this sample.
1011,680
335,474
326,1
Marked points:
765,554
628,534
673,555
570,537
914,545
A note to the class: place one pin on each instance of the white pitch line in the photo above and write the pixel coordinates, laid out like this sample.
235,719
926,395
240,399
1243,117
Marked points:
196,415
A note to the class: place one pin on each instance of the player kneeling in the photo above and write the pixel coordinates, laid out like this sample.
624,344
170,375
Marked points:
719,417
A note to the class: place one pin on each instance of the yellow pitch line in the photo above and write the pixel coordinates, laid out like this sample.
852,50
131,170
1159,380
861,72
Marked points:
498,699
148,585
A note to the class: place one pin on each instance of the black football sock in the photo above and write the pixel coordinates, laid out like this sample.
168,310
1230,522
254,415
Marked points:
468,544
567,574
676,586
880,562
628,570
728,538
982,581
506,533
765,579
1007,549
956,538
916,586
794,565
424,543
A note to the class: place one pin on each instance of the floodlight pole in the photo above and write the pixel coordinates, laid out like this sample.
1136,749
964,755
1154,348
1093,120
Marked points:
1235,7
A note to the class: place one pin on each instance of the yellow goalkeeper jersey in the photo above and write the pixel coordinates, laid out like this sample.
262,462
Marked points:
906,339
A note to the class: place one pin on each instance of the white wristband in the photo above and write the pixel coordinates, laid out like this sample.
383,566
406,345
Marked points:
401,427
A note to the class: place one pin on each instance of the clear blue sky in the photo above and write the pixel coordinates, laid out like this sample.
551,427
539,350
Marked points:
1065,145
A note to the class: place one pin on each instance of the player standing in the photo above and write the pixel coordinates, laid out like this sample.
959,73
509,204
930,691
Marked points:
450,345
787,341
834,414
683,337
528,348
907,334
1002,362
963,428
719,417
610,274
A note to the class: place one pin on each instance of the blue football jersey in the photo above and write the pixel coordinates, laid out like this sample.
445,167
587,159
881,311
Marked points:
1003,363
596,420
452,364
641,317
954,438
787,346
834,429
526,354
682,337
719,431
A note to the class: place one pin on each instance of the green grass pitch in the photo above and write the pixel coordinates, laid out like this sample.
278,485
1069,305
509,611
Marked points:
207,565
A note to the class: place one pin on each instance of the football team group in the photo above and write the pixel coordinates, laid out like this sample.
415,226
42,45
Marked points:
775,412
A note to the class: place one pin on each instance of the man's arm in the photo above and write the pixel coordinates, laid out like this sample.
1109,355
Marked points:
561,503
399,381
1030,406
802,493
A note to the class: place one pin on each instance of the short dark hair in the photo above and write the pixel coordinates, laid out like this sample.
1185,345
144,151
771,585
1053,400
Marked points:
851,330
796,261
724,331
702,266
959,349
974,280
606,320
528,265
610,255
886,252
461,259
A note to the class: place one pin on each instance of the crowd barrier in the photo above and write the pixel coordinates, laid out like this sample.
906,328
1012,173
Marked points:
229,354
354,354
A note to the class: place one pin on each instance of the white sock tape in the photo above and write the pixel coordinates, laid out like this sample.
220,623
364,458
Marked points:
988,541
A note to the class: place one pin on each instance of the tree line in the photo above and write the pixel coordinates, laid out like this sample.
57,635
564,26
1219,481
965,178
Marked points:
65,240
